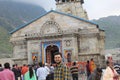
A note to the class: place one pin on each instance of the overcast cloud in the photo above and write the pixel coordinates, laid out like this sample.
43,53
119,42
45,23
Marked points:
95,8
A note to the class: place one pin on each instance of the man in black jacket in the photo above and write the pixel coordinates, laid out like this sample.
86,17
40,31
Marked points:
16,72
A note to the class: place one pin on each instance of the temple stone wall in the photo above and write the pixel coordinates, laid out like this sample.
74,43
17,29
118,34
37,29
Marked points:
70,44
33,47
88,45
19,49
9,60
66,24
75,48
78,37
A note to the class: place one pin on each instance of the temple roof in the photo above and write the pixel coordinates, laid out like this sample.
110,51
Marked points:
48,13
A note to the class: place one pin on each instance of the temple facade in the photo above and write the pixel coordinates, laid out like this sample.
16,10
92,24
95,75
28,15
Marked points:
66,29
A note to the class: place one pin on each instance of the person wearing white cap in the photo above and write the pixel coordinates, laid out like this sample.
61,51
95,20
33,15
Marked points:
47,67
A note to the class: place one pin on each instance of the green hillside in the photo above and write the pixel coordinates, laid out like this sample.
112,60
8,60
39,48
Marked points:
12,15
5,46
111,25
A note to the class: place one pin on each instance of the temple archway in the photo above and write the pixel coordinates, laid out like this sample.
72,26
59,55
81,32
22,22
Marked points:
50,51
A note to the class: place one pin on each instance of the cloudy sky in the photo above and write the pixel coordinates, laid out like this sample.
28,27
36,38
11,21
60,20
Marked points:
95,8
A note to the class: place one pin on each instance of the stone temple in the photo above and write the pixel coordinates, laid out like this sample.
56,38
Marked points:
66,29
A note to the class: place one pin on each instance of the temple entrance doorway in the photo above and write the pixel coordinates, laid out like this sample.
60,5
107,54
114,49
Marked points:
50,51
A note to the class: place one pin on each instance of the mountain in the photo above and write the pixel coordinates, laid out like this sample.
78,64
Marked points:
111,25
12,15
5,46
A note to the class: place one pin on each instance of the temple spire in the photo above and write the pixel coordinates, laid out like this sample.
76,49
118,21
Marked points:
73,7
64,1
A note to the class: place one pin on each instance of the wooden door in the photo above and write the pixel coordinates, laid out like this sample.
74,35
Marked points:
48,57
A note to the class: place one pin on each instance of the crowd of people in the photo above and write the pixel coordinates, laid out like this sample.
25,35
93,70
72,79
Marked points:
96,73
26,72
57,71
93,72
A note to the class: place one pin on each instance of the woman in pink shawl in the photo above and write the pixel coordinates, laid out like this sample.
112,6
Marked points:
110,73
